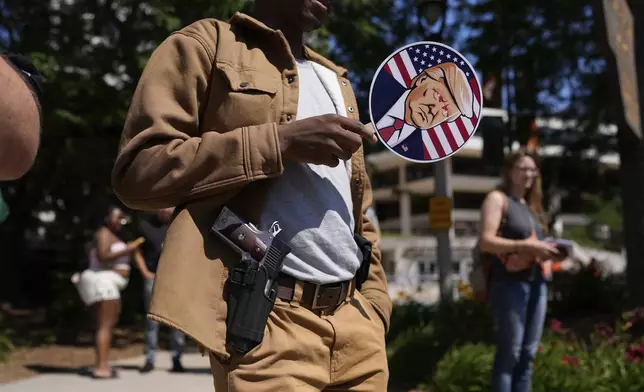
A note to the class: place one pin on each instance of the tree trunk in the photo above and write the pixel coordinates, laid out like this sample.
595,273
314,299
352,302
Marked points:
631,151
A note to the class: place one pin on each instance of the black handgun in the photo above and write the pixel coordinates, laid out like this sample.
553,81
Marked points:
253,281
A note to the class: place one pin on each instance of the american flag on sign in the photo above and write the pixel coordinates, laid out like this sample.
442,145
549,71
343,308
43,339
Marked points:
392,85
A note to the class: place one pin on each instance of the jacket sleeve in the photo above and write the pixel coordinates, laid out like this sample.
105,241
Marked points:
375,288
164,158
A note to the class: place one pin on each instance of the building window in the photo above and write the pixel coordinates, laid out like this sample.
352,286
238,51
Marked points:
418,171
419,205
387,210
385,179
472,167
468,201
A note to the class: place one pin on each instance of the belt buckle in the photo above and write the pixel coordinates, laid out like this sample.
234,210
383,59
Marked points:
316,296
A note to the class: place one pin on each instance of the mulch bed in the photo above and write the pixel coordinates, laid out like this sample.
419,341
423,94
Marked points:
41,349
28,362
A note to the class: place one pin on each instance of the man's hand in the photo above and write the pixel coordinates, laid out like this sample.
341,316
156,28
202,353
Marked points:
148,275
321,140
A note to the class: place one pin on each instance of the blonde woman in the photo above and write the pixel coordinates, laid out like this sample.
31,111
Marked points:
512,228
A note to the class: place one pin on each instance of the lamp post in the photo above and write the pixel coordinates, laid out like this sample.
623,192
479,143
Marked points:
433,11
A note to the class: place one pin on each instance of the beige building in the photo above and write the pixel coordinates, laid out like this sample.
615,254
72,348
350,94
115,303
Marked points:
402,190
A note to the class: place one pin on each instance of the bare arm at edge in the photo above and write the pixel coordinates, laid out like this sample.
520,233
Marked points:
19,124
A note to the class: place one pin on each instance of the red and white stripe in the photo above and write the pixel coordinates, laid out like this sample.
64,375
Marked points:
446,138
401,68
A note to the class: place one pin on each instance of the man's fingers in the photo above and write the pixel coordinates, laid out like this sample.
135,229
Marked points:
336,151
367,132
371,129
348,141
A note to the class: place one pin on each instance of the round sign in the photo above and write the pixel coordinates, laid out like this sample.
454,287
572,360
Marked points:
425,102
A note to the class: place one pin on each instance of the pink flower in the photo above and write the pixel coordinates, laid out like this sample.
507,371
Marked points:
604,330
635,353
613,340
555,325
570,360
632,357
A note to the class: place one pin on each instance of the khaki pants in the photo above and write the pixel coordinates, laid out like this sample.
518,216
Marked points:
302,351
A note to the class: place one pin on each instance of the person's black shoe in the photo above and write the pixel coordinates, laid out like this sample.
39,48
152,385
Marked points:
147,368
177,367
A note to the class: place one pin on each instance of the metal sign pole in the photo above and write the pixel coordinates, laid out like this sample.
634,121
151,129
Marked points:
444,189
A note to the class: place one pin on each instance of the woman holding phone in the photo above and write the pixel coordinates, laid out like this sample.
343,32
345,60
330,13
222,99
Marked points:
100,285
512,230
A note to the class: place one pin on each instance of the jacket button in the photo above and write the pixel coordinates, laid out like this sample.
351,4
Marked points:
357,181
351,109
289,117
243,84
291,79
344,82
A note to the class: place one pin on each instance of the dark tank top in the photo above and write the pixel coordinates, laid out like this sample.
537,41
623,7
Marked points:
519,223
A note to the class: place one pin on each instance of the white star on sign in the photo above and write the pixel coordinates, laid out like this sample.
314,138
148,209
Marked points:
449,56
441,53
462,63
433,49
431,58
415,58
423,62
424,54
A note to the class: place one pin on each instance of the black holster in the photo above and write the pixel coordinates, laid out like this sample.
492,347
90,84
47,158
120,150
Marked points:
252,291
363,272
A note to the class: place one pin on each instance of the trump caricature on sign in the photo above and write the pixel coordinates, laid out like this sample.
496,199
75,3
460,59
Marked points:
425,102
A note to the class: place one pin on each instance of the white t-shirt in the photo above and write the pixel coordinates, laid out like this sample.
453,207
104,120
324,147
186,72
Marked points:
313,203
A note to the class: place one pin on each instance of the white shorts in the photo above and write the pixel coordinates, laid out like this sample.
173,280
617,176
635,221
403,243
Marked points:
96,286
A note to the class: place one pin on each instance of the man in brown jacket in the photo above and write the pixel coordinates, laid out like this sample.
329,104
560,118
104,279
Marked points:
242,114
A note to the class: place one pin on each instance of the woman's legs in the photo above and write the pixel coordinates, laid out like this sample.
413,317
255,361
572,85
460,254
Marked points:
509,303
536,315
107,313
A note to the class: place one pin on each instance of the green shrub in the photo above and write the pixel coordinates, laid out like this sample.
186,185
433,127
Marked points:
414,355
411,316
465,368
585,293
6,345
420,336
563,366
449,347
610,361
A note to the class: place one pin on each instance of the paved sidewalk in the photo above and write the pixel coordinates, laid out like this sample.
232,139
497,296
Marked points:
197,378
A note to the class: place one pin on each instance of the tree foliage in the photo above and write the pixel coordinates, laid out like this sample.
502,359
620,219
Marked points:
92,52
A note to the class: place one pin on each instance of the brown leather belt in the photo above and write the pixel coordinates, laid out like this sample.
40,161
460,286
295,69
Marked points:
323,298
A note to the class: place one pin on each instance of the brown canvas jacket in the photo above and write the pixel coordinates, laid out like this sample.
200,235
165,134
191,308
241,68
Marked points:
201,132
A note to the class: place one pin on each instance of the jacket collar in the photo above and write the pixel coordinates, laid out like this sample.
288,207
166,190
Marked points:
248,21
